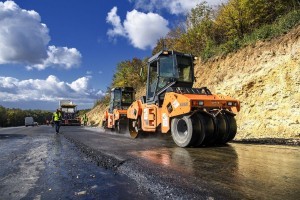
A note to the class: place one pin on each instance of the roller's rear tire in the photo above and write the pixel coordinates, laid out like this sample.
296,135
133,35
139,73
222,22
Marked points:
104,125
207,132
232,127
198,128
117,126
121,126
227,128
223,134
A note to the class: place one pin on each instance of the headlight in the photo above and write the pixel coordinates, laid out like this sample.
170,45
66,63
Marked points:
230,103
197,103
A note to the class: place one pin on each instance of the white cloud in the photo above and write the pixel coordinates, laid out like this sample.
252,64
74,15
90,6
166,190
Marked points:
49,90
80,85
24,40
176,7
143,30
115,21
60,57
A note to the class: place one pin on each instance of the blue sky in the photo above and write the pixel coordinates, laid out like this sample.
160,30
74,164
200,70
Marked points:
69,49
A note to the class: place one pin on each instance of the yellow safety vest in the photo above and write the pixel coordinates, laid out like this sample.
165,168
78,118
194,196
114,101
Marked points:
85,118
56,116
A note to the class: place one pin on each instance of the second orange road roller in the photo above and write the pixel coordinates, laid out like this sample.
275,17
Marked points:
115,118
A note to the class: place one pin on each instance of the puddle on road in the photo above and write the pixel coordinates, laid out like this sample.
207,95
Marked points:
250,170
175,158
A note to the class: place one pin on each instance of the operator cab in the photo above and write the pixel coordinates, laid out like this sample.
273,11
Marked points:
168,69
121,98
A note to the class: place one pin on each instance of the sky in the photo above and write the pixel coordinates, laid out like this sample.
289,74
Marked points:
53,50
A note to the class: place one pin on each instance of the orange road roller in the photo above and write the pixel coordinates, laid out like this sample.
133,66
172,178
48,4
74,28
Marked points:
194,116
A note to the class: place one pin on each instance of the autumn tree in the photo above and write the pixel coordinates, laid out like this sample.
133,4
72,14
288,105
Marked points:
239,17
200,29
172,41
128,73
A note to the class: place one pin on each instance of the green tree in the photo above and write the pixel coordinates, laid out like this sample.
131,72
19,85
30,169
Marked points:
172,41
3,117
128,74
200,29
239,17
16,117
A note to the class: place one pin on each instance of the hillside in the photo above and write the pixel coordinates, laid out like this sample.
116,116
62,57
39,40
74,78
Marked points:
265,77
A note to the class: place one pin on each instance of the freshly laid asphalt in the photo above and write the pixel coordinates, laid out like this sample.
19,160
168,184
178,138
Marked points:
36,163
90,163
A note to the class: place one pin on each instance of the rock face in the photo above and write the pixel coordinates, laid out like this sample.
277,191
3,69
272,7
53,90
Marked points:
266,79
96,114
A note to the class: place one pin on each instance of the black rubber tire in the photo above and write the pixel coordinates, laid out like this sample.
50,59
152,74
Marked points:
198,128
182,131
117,126
208,129
121,126
105,125
232,126
134,131
223,133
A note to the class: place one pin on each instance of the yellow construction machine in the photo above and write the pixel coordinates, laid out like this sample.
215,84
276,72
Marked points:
115,118
194,116
70,115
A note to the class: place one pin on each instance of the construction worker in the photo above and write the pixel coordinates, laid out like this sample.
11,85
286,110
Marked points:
85,120
56,118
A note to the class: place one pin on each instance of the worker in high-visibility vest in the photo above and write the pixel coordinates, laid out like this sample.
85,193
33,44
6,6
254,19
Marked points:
56,118
85,119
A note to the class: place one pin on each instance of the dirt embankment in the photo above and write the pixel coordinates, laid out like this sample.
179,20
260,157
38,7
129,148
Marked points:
95,115
265,77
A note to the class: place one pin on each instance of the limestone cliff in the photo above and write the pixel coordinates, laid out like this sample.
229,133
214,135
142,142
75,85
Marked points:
265,77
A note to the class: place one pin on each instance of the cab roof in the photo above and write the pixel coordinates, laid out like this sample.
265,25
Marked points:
166,52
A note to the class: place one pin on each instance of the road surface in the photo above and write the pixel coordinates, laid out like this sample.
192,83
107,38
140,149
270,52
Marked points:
88,163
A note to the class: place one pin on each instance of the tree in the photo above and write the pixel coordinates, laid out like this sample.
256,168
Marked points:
3,117
128,74
200,29
202,12
195,36
16,117
240,17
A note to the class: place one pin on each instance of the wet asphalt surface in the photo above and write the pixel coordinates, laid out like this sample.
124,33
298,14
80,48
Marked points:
37,164
88,163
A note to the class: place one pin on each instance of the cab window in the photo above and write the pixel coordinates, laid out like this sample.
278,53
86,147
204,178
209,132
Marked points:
184,68
126,97
152,79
